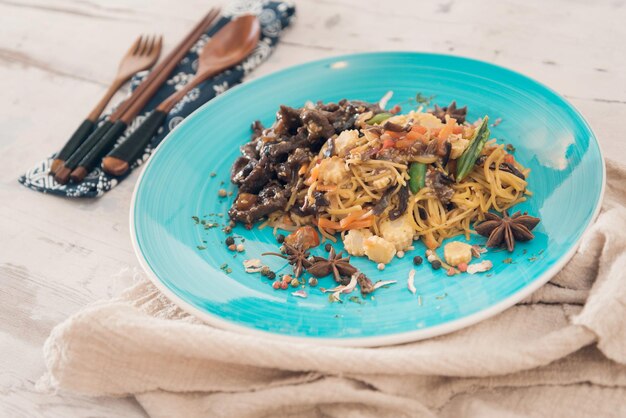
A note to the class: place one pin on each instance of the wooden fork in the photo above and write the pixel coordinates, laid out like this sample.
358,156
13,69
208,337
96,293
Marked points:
142,55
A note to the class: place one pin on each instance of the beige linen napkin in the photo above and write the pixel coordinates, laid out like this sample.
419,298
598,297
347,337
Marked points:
561,352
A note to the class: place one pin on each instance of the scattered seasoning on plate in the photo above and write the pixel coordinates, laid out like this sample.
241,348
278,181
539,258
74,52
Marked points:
229,241
510,148
240,248
313,281
224,267
356,299
419,300
381,266
508,260
212,174
227,229
295,283
276,285
201,247
328,247
196,220
496,122
436,264
440,297
271,275
300,293
284,285
221,193
417,260
400,254
280,238
232,247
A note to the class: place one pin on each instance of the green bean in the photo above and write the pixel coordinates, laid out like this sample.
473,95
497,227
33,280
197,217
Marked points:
466,162
379,118
417,176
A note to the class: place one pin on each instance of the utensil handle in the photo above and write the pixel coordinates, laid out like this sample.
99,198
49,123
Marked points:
100,149
132,146
87,145
77,138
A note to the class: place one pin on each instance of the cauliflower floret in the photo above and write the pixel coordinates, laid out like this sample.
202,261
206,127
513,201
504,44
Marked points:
379,249
428,120
399,232
353,241
345,141
459,144
332,170
457,252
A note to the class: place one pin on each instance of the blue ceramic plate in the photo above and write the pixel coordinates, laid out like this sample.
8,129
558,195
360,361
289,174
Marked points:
190,263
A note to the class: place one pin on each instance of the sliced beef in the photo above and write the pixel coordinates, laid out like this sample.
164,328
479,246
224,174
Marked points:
272,198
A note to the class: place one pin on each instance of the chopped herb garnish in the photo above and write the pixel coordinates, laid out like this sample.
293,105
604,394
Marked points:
356,299
201,247
423,100
212,174
196,220
510,148
532,259
489,274
508,261
524,251
332,298
224,266
440,297
203,222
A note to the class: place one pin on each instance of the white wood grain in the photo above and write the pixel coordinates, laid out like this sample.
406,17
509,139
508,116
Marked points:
57,56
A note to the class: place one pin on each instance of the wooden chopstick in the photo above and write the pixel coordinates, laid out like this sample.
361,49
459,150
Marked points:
94,148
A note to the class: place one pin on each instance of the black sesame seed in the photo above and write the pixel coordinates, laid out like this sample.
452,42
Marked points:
327,247
280,238
436,264
417,260
230,241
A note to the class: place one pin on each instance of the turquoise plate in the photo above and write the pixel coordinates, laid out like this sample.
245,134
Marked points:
190,263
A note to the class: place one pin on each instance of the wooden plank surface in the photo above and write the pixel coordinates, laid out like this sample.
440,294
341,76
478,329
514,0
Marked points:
57,56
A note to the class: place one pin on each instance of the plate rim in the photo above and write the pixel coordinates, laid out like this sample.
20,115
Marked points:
370,341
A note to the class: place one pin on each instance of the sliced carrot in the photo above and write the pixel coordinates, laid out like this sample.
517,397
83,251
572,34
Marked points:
364,223
351,218
303,168
413,135
315,171
509,159
388,143
328,224
447,129
419,129
405,143
326,187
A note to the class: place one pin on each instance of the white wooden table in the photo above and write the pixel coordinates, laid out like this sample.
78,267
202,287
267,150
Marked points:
57,56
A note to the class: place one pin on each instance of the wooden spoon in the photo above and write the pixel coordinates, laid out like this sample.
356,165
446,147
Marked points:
228,47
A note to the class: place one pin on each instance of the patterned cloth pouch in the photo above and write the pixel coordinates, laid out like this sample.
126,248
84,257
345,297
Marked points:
274,16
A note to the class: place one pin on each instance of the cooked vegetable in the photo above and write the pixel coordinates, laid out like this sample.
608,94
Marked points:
381,117
417,174
467,160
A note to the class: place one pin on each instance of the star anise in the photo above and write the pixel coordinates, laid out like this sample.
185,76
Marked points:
505,230
296,256
339,266
454,112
